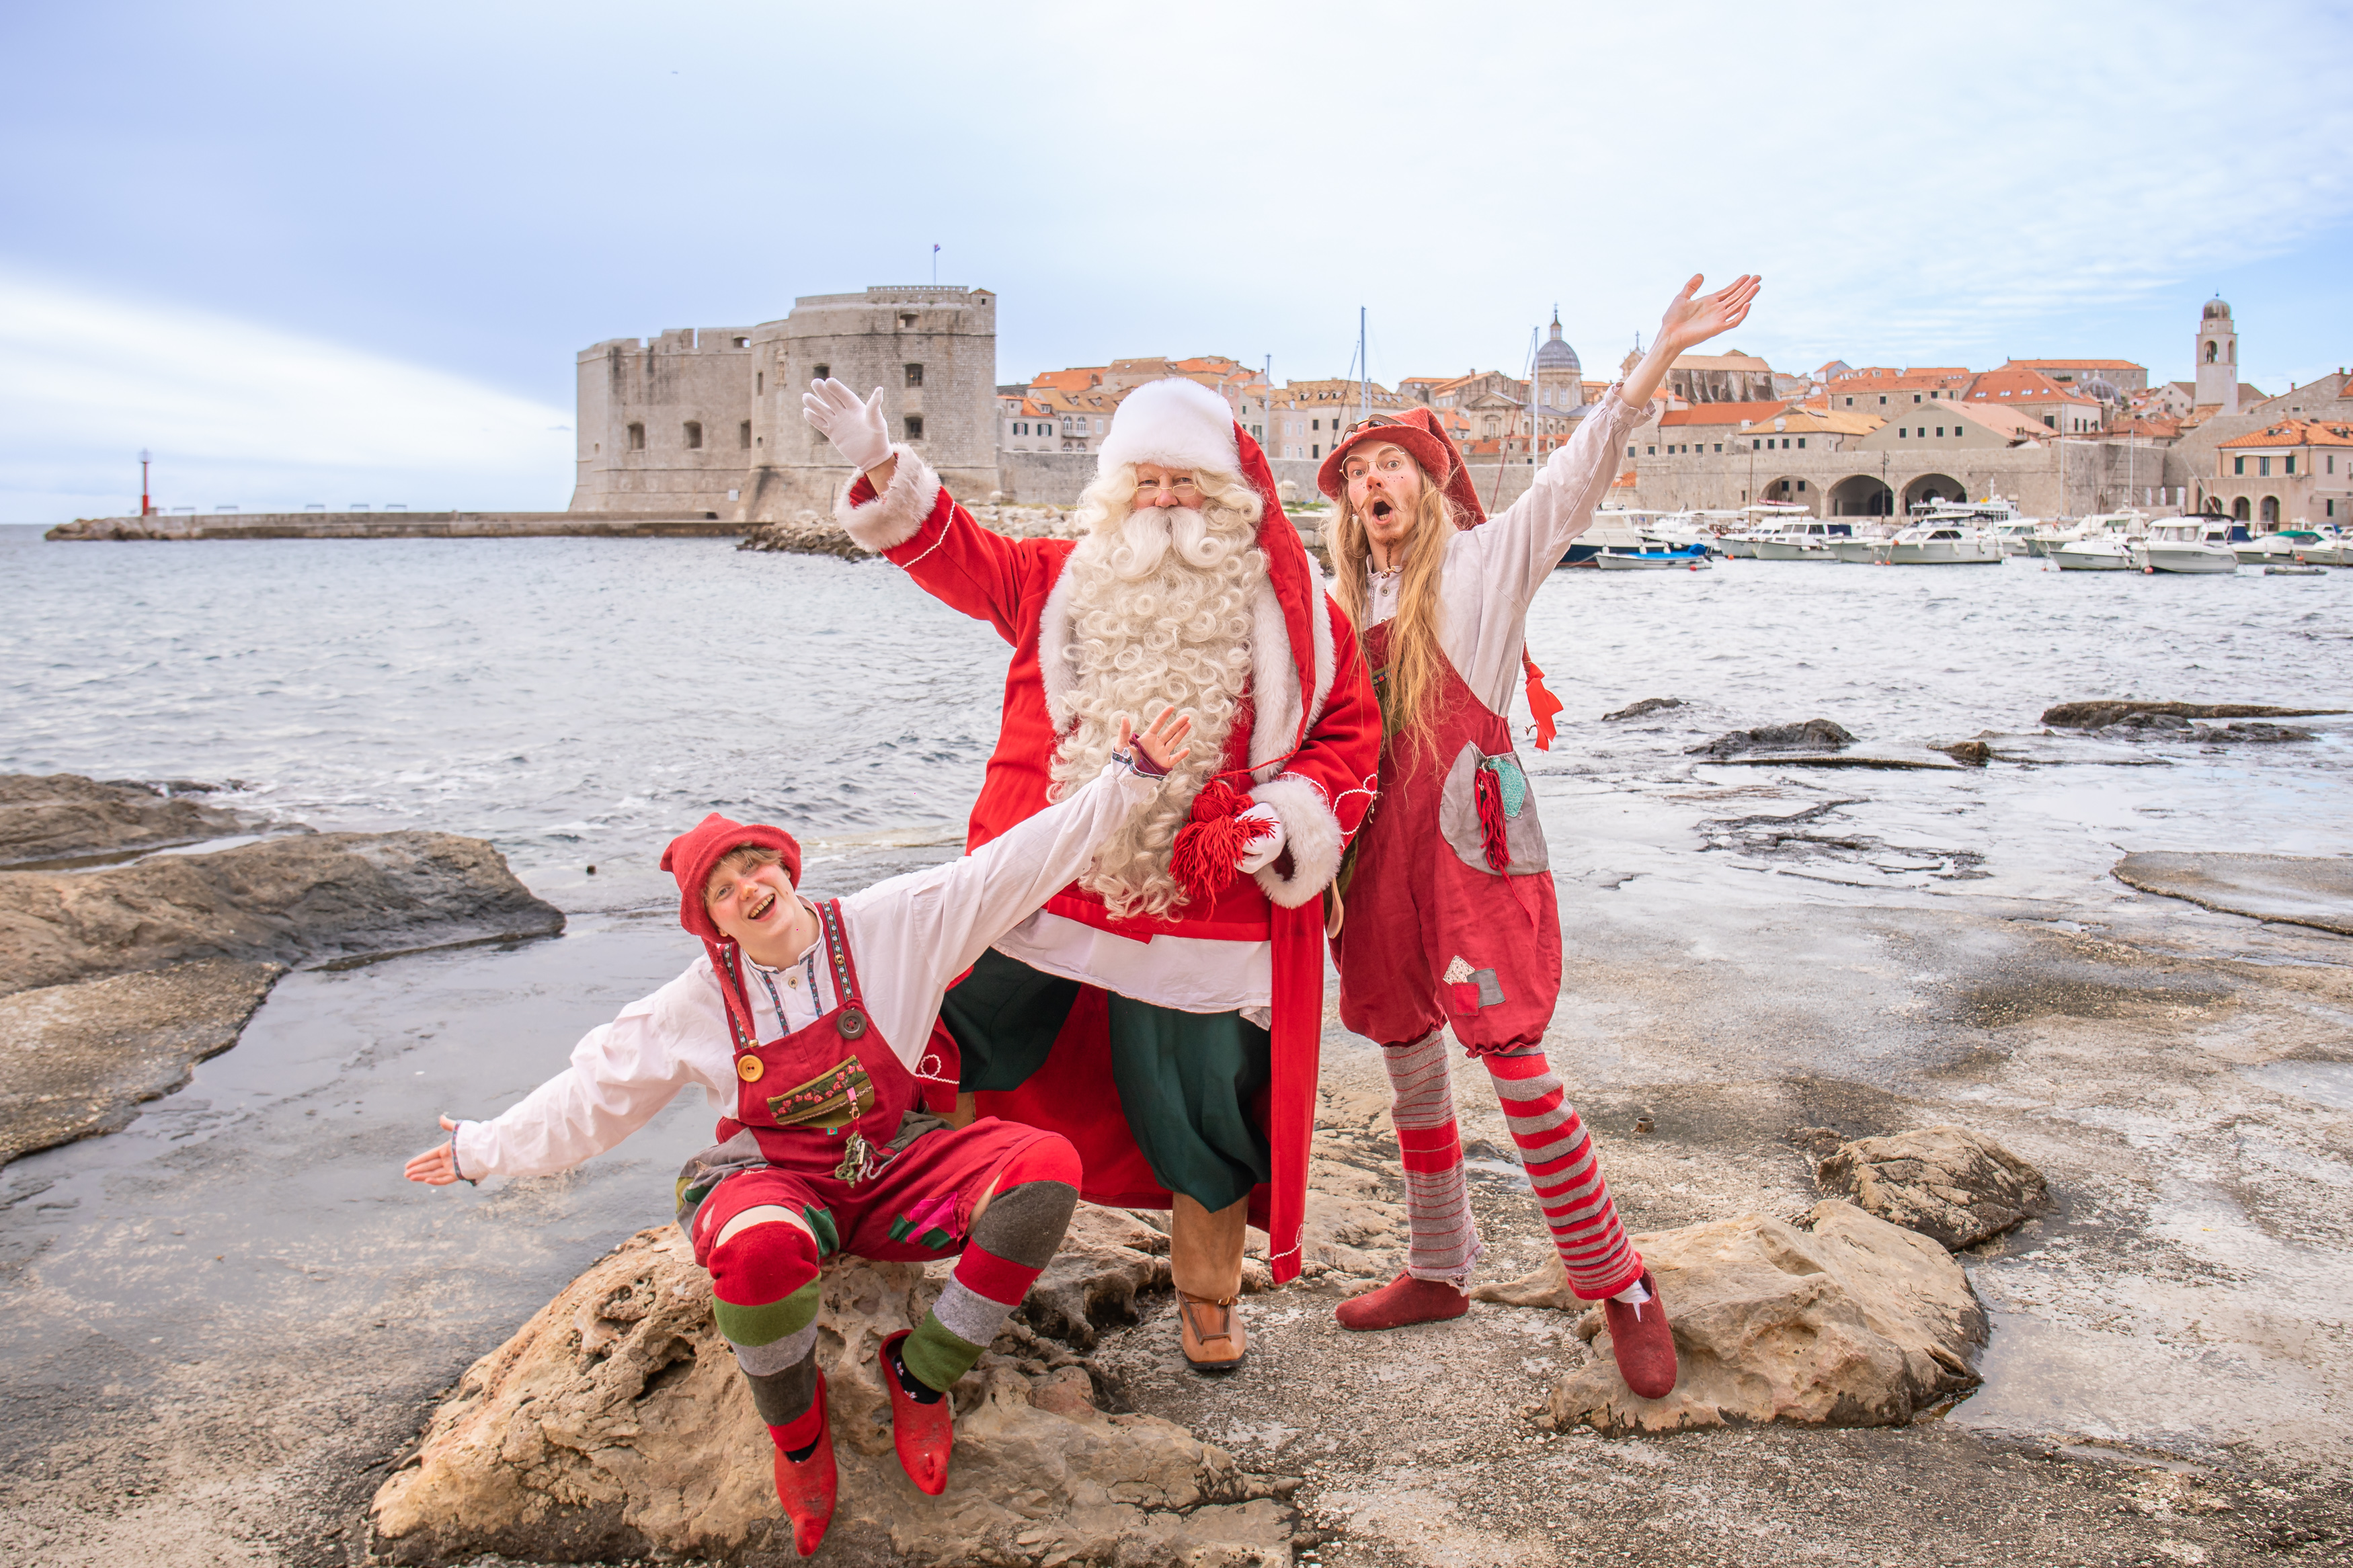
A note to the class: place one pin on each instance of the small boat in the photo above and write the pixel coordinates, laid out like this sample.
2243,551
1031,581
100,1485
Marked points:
1861,547
2102,543
2307,547
2190,544
1948,534
2264,550
1615,528
1808,541
1689,558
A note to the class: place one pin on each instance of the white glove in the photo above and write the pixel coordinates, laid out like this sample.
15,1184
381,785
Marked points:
854,428
1260,854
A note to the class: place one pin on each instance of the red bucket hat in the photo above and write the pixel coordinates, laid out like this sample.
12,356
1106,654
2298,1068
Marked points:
1419,432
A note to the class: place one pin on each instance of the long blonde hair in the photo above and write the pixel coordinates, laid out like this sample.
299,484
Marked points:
1407,684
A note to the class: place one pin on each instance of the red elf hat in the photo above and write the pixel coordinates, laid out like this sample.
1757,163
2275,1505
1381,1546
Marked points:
690,858
1419,432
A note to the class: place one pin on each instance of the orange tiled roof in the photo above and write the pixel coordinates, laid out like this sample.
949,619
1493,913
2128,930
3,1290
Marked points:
2027,385
1077,379
2295,433
2075,364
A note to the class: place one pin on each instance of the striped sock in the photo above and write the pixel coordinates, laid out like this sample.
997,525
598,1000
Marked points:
1565,1172
1014,1239
1445,1237
765,1297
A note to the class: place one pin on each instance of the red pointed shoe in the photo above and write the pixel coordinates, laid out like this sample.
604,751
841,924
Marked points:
1643,1344
1404,1300
806,1488
923,1434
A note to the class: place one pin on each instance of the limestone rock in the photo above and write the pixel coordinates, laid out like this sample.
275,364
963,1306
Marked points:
1644,709
285,901
1107,1258
1949,1184
58,816
1813,735
2101,715
78,1059
2314,891
615,1424
1853,1322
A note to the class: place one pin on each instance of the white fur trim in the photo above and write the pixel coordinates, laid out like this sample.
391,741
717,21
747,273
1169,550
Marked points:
1310,832
1275,684
1054,649
1176,422
893,518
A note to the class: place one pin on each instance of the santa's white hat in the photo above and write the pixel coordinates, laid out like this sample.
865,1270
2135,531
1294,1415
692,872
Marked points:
1178,423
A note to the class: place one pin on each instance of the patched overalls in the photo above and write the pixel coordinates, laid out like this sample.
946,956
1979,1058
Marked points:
829,1124
1449,912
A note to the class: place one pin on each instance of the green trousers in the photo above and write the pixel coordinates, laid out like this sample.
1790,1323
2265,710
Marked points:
1186,1080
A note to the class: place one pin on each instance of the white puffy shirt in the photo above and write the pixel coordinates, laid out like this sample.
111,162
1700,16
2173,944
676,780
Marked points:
910,936
1492,571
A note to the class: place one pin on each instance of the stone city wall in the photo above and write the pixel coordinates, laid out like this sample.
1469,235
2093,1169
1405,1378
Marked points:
397,525
2069,479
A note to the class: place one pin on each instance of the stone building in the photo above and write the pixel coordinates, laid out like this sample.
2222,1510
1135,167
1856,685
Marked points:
2218,360
1728,377
710,420
2296,472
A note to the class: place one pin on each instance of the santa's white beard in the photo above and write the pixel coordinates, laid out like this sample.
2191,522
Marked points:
1160,617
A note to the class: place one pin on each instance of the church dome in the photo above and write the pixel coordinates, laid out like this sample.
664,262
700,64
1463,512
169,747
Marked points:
2215,307
1556,354
2102,388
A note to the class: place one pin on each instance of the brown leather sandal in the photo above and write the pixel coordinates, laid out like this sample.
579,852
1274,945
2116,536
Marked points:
1210,1333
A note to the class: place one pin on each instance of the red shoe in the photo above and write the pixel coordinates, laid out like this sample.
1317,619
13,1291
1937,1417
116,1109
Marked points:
806,1488
923,1434
1404,1300
1643,1342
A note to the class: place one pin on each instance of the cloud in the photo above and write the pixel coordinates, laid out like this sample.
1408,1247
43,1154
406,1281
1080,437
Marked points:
245,415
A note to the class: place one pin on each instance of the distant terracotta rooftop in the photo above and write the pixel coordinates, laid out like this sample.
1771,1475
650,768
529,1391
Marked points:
1723,414
2295,433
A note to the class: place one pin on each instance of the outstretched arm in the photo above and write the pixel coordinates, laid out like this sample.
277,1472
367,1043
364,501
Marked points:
1688,323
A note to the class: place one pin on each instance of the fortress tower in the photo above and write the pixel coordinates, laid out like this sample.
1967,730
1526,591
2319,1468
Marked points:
709,420
2218,358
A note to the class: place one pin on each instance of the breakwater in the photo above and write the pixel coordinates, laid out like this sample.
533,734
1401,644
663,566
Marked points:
180,526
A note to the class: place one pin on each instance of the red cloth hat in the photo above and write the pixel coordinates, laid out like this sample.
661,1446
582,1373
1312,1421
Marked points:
690,858
1417,431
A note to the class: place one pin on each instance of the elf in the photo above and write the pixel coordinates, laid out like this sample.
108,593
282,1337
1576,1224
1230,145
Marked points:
1449,917
813,1026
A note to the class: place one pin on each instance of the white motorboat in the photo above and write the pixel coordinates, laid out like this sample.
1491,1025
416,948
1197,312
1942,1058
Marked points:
2102,543
2264,550
1948,534
1690,558
2193,544
2309,547
2015,535
1861,547
1808,539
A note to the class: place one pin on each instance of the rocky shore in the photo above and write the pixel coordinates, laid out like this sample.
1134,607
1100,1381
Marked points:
115,982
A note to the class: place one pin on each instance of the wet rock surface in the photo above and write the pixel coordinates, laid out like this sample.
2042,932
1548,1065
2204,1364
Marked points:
615,1424
1644,709
2307,891
1813,735
79,1059
1840,1320
65,817
1953,1185
2102,714
296,899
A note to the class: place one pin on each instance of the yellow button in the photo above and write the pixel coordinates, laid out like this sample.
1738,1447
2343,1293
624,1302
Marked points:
748,1069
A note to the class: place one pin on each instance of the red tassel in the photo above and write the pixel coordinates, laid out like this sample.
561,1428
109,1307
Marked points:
1542,703
1209,846
1488,792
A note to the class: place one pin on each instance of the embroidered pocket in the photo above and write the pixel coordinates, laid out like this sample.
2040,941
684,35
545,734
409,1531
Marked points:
1488,815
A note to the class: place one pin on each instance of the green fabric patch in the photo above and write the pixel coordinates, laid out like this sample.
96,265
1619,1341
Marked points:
1511,781
935,1238
766,1324
935,1355
820,1224
900,1228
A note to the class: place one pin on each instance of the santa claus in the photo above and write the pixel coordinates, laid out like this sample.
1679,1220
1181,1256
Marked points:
1165,1011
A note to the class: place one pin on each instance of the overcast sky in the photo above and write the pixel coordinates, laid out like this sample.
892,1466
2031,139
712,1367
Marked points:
317,253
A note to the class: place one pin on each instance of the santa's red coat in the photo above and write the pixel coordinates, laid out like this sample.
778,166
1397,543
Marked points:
1308,737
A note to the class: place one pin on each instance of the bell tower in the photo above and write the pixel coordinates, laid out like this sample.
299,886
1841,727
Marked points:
2218,358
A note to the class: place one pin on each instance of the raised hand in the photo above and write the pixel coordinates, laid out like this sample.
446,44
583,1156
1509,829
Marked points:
435,1167
1162,745
1691,320
854,428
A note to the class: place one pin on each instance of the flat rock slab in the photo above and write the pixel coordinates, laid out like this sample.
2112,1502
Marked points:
285,901
2100,713
2298,890
78,1059
1849,1321
615,1426
2064,751
1922,759
65,817
1813,735
1956,1186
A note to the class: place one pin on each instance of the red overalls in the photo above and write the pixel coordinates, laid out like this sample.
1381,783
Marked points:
829,1124
1451,916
